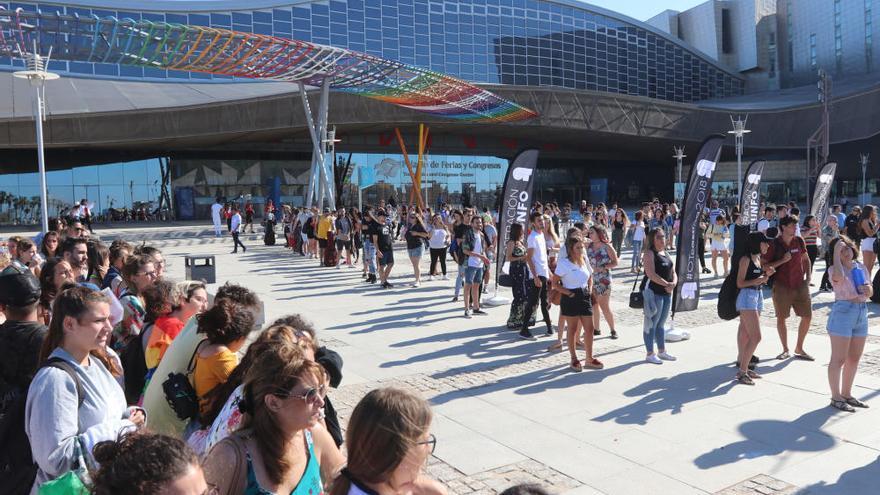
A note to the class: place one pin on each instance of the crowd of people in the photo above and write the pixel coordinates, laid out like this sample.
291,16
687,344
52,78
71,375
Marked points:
87,326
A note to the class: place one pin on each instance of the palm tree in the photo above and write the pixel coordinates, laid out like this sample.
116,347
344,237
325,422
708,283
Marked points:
36,207
19,203
3,196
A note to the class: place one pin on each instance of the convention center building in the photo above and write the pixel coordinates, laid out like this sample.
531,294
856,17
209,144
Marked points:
612,95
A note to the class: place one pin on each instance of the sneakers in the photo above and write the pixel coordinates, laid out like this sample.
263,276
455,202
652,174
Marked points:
549,331
467,313
455,299
653,359
445,277
480,312
338,266
613,334
576,366
666,357
430,278
415,284
526,335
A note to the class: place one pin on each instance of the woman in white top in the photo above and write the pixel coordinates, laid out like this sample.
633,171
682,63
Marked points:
575,284
438,244
638,226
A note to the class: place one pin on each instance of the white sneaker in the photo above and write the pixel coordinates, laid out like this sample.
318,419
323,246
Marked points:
666,357
467,313
338,267
445,277
430,278
653,359
415,284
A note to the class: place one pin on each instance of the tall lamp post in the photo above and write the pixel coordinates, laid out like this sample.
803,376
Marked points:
864,159
679,156
37,75
739,130
330,155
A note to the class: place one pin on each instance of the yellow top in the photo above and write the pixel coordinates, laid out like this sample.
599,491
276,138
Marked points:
324,226
212,371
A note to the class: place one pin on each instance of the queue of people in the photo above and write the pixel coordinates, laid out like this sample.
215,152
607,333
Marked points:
75,340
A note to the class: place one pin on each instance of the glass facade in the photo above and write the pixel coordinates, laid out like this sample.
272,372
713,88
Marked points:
117,185
523,42
453,179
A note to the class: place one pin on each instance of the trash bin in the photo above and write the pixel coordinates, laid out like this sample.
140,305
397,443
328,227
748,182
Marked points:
201,268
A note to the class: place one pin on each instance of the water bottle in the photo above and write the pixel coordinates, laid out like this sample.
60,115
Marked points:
858,277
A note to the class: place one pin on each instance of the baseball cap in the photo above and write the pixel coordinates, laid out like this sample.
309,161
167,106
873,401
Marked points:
18,286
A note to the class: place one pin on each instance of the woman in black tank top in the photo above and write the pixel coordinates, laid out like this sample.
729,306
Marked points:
750,276
660,271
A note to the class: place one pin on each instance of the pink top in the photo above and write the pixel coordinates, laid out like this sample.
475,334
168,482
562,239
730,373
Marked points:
845,289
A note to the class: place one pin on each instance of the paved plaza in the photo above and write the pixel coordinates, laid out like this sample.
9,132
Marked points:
507,411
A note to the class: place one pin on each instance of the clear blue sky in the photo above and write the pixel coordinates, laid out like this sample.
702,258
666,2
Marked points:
644,9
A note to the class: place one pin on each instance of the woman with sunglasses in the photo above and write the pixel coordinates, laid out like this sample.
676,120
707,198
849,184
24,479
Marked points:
389,441
139,272
281,447
148,464
662,279
602,259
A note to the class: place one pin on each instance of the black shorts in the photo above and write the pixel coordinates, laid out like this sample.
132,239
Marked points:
387,257
322,243
340,245
577,305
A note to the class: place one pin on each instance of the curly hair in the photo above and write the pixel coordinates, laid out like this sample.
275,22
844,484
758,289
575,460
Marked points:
226,322
140,464
237,293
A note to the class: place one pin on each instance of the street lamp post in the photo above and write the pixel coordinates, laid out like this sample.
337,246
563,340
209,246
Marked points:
679,156
739,130
37,76
864,159
330,154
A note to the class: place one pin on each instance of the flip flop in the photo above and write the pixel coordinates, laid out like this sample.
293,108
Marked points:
783,355
804,357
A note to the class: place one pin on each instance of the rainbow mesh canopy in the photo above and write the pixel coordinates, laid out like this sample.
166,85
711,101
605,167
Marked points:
222,51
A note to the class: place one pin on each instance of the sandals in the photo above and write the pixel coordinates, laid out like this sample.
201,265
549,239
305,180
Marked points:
576,366
855,402
804,357
555,347
754,375
783,355
613,334
842,405
744,378
594,364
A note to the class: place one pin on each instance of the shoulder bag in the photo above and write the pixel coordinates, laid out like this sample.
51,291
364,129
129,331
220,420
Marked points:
636,299
180,393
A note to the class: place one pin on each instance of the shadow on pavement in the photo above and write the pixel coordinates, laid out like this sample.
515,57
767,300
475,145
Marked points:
858,480
772,437
671,394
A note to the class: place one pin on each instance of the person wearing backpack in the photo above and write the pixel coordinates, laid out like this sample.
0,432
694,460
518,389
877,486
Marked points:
21,336
751,276
74,401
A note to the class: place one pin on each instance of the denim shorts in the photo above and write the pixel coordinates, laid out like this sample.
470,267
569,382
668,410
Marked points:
473,275
387,257
750,299
416,252
848,319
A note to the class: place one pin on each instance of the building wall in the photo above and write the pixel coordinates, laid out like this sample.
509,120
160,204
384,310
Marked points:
524,42
809,38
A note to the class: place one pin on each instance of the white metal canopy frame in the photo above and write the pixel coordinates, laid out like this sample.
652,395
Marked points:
225,52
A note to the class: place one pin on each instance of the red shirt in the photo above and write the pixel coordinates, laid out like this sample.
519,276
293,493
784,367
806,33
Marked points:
790,274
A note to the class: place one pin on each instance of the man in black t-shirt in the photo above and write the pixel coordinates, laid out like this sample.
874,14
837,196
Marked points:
368,228
382,238
851,224
20,339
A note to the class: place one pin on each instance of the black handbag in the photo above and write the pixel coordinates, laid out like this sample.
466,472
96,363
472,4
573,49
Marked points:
636,299
180,393
505,280
877,245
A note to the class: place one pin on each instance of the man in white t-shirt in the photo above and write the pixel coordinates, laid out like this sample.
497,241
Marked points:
767,221
474,247
539,271
216,218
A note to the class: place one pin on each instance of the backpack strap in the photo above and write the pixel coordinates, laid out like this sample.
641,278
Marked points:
190,367
61,364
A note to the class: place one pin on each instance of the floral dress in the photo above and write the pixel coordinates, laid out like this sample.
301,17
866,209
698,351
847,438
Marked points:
519,274
600,261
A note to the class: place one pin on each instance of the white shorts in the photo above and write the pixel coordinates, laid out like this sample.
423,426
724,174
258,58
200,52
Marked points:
719,246
868,244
